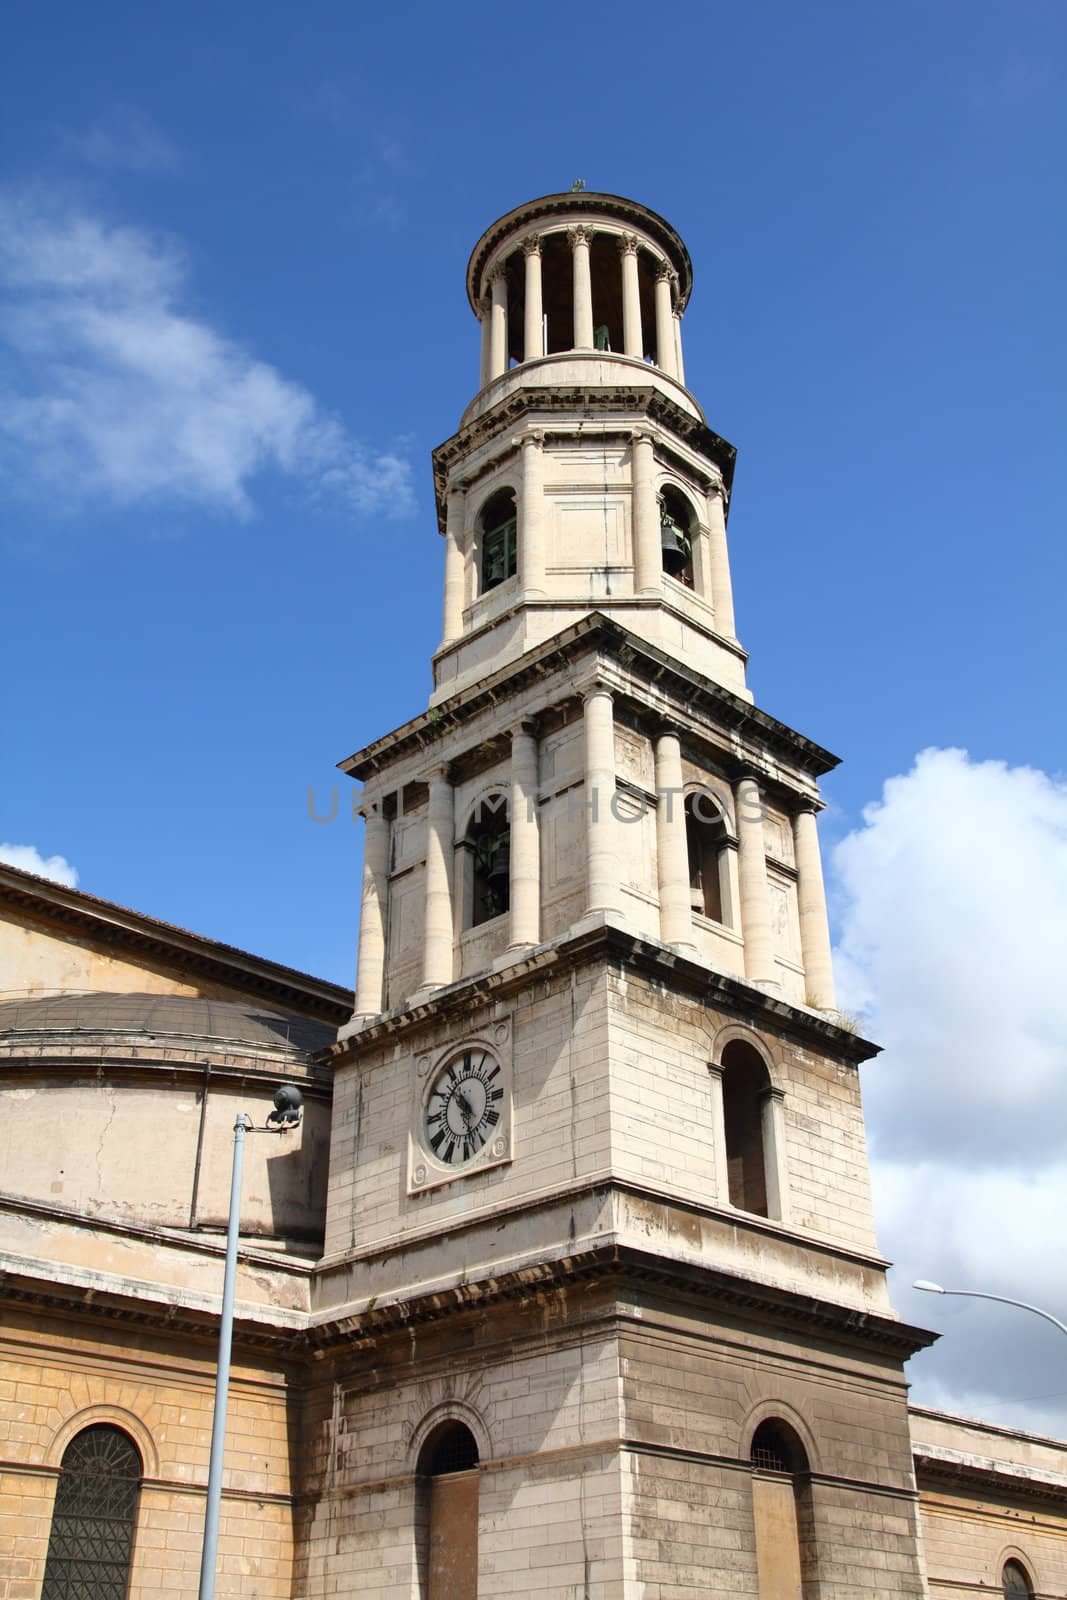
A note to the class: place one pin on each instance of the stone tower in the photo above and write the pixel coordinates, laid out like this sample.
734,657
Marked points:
602,1310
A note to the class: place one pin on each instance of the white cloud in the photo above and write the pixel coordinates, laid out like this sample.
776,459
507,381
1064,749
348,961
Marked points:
113,390
30,859
126,140
953,899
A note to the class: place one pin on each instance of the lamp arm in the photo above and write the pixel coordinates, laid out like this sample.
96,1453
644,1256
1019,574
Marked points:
1003,1299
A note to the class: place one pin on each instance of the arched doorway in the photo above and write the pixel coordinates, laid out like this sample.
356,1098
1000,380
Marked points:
781,1508
448,1468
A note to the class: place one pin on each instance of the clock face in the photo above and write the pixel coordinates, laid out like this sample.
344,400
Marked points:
463,1106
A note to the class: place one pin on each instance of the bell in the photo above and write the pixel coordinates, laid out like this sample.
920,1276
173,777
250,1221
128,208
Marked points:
674,547
499,866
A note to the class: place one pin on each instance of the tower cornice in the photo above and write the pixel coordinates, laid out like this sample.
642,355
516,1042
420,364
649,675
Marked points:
628,405
561,655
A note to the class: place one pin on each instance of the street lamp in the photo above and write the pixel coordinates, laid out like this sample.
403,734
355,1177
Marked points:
287,1114
977,1294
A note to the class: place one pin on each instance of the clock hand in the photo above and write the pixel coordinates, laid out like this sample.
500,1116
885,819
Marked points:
464,1106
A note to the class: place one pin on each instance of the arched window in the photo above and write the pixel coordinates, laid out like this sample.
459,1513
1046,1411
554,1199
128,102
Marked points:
90,1547
1014,1580
448,1470
676,529
745,1082
781,1506
706,837
497,526
488,846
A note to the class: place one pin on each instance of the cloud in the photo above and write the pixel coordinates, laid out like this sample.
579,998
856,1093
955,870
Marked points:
111,389
126,140
29,859
953,916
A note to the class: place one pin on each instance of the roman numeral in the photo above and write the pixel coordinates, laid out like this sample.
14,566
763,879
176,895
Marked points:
492,1117
437,1141
496,1094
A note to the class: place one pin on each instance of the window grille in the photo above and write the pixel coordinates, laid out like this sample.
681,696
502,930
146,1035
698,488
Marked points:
91,1542
769,1457
1014,1580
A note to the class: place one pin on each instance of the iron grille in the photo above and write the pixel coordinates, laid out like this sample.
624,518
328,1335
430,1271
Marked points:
767,1457
1015,1581
91,1542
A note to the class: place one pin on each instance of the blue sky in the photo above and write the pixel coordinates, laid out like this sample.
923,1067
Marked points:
233,325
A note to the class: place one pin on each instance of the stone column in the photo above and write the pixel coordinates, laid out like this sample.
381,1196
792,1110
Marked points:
455,575
486,320
437,927
498,335
665,351
533,342
602,854
672,853
632,336
722,595
580,239
811,903
755,896
648,558
525,860
531,552
718,1135
679,362
772,1127
370,967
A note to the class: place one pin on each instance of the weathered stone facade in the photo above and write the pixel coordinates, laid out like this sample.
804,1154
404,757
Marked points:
568,1285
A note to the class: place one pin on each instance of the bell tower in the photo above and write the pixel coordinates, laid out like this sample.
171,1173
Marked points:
583,476
602,1309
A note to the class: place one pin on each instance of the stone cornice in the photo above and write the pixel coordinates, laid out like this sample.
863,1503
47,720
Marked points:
621,1269
560,654
608,942
147,938
640,400
949,1469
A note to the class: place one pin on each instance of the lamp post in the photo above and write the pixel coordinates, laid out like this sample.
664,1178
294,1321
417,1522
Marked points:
1002,1299
286,1115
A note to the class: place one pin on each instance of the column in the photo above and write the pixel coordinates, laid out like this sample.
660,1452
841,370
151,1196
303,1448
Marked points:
701,562
486,320
533,343
811,902
455,576
772,1128
498,333
644,511
602,856
632,336
755,896
525,867
583,287
718,1135
722,596
531,552
679,363
672,851
370,967
665,353
437,928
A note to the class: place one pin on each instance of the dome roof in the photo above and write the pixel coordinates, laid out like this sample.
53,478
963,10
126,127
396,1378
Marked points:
170,1015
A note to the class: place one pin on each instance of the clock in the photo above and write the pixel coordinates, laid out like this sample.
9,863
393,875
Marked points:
463,1106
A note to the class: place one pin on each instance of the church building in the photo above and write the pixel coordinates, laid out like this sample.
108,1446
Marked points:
568,1285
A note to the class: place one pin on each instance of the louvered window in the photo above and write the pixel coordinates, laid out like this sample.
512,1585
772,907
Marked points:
91,1543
